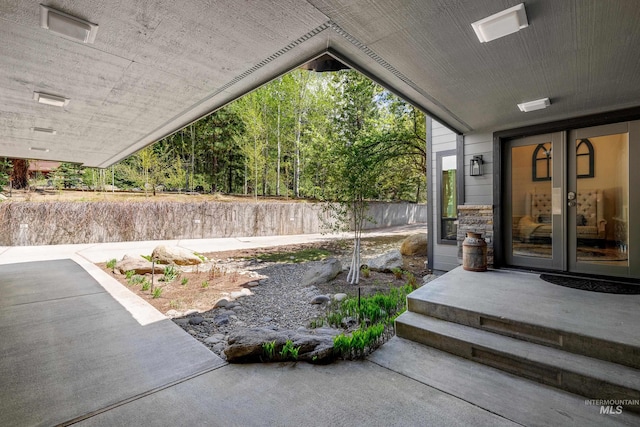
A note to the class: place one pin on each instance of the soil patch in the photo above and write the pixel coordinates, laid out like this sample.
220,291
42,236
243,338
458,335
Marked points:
240,269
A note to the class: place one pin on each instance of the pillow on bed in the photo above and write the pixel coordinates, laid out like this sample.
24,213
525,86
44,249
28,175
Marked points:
544,219
581,220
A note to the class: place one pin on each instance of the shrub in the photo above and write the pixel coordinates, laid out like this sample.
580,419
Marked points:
111,264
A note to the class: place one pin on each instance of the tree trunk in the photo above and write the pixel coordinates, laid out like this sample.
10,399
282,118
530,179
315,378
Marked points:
278,160
296,173
20,174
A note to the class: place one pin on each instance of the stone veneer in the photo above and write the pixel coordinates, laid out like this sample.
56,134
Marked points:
477,218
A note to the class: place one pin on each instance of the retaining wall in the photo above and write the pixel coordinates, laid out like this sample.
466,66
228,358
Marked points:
52,223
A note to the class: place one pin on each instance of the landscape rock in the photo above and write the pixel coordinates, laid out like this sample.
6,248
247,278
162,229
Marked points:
190,312
252,284
416,244
245,292
174,255
171,314
196,320
320,299
221,319
245,345
138,264
386,262
222,302
322,272
339,297
214,339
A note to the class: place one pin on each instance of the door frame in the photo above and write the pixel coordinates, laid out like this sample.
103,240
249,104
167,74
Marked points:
500,140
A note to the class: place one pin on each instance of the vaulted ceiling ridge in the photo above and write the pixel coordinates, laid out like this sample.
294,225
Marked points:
397,73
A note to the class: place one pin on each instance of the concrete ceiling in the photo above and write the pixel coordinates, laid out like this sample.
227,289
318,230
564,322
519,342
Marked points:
157,65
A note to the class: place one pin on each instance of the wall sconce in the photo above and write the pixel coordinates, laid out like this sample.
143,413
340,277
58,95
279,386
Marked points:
476,166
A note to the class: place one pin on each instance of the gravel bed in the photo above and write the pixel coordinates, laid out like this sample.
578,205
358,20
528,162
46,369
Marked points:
278,303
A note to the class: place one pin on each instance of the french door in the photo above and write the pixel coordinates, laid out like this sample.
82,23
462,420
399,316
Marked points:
568,201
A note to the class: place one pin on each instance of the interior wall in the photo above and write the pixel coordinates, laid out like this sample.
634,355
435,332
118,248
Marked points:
611,173
611,176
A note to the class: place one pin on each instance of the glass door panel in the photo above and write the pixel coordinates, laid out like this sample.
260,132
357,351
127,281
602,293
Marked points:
598,200
533,206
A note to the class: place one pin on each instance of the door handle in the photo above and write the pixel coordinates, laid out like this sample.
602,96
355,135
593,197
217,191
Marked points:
572,203
571,195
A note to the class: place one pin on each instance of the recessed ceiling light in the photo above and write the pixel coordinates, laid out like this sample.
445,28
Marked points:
47,99
538,104
500,24
45,150
48,131
67,26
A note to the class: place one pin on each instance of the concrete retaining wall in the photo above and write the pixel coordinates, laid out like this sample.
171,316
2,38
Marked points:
51,223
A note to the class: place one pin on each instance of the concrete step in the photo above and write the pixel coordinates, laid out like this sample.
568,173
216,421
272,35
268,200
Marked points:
517,399
609,349
587,376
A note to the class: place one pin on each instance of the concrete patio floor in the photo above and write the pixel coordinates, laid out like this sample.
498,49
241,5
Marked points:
77,347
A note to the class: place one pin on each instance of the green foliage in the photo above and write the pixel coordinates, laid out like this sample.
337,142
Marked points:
67,175
202,257
184,281
205,284
129,274
288,350
157,291
296,136
147,257
269,349
5,172
146,285
366,272
137,279
412,281
397,272
111,264
374,315
170,273
304,255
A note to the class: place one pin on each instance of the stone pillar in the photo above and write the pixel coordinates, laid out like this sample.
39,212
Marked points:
477,218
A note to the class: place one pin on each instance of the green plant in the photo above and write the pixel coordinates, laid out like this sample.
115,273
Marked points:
269,349
202,257
146,285
137,279
174,304
366,272
157,291
170,273
289,350
184,281
412,281
205,284
397,272
129,274
111,264
147,257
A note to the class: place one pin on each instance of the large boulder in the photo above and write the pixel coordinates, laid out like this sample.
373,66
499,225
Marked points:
174,255
246,345
322,272
136,263
416,244
385,262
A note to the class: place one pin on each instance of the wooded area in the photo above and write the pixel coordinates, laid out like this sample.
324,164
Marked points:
306,134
